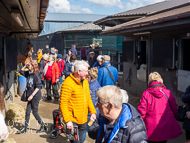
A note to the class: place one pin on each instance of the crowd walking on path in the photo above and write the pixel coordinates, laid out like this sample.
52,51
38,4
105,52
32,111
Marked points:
88,91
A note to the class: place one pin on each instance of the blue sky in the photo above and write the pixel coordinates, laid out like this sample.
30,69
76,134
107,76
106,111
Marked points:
105,7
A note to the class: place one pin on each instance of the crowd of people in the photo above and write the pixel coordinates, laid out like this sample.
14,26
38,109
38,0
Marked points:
90,92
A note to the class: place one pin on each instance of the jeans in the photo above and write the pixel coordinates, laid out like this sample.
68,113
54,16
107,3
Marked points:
86,130
33,105
81,129
55,90
60,80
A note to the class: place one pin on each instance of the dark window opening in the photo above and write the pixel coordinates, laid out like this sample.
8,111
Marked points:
186,54
163,53
128,51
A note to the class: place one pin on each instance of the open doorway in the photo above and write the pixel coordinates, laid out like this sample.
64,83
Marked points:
186,54
141,54
141,62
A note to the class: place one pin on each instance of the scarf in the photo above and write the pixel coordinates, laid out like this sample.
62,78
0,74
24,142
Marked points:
46,67
39,58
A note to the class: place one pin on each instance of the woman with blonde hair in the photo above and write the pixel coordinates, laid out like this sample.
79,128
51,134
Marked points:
158,109
94,87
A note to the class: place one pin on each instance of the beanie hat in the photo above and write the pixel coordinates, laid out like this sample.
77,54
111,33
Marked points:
59,56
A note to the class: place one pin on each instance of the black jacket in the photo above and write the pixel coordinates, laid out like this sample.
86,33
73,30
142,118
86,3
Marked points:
186,99
41,67
33,82
134,131
46,51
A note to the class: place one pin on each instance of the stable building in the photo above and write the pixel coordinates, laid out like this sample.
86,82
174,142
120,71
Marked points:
158,42
55,23
20,20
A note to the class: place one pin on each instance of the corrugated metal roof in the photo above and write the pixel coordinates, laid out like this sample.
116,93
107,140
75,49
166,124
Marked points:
147,9
170,14
84,27
51,27
73,17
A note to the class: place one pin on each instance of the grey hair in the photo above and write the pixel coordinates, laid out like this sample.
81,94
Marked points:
53,57
110,93
99,58
80,65
125,96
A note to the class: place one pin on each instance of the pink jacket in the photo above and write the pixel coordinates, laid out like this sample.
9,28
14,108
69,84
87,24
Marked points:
159,113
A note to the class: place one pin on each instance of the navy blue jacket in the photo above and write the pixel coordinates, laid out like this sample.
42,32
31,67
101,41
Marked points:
94,86
186,99
104,77
74,51
67,69
130,127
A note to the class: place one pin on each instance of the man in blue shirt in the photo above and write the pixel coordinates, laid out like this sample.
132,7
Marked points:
104,77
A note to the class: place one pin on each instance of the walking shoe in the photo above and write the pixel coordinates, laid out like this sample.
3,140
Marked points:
23,130
48,99
42,129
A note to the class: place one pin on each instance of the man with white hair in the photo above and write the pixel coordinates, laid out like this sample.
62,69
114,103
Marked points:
107,74
75,99
120,123
98,62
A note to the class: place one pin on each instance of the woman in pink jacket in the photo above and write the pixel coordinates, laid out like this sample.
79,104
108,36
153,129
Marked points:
158,109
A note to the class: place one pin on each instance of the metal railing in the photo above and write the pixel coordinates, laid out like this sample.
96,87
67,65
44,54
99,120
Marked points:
115,54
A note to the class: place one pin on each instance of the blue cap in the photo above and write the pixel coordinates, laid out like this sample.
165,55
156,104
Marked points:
53,52
59,56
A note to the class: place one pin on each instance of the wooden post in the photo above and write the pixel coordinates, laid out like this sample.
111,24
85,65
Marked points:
1,98
100,52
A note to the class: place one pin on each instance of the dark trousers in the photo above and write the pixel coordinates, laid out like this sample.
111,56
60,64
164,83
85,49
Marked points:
187,135
33,105
83,58
81,129
157,142
55,90
55,114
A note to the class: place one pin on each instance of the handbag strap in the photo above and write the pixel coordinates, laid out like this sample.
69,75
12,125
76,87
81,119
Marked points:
156,85
111,75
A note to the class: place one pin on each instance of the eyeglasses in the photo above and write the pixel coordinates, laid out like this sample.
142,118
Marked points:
100,104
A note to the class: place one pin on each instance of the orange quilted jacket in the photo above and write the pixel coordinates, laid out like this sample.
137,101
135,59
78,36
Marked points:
75,100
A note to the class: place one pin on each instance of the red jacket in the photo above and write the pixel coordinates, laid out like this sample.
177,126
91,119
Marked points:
61,66
159,113
55,72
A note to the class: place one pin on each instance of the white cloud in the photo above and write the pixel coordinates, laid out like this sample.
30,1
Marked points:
107,3
63,6
132,4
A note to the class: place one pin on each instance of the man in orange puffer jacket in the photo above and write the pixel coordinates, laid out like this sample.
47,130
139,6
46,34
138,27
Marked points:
75,99
51,75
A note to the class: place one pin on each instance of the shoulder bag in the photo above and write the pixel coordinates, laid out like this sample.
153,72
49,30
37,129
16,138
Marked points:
24,96
181,114
115,83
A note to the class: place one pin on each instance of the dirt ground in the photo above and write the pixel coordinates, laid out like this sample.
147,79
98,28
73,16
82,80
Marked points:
45,111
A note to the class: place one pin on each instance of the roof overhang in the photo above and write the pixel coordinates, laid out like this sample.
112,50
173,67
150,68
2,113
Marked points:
115,20
173,17
22,19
